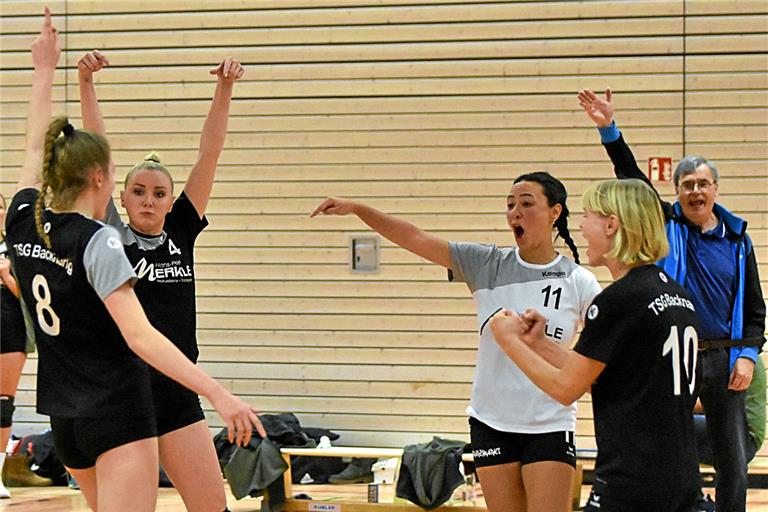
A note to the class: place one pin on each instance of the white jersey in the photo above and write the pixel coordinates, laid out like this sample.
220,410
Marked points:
502,396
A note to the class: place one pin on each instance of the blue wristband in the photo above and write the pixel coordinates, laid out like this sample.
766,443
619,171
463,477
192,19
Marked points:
609,133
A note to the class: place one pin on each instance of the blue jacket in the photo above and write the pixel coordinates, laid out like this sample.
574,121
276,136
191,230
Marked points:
675,265
748,314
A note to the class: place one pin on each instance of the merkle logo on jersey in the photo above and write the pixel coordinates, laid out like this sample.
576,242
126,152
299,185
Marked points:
164,271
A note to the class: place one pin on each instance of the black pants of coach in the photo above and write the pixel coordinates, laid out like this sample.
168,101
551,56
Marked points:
726,421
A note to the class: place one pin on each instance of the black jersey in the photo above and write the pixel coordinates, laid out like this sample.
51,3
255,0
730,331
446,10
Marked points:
85,368
643,327
165,267
13,334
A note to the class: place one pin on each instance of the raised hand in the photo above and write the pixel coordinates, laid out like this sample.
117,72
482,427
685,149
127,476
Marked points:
91,63
46,49
228,70
598,109
334,206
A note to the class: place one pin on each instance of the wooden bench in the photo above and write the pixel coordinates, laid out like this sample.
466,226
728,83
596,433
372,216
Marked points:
297,505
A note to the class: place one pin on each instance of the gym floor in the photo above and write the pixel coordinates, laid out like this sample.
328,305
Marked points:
62,499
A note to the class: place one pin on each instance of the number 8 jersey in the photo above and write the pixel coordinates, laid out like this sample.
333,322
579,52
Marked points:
85,367
643,327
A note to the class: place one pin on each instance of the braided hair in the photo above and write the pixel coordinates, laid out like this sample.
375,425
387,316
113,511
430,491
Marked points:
555,192
69,156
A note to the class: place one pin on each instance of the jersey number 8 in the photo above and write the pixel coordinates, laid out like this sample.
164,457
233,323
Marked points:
689,356
50,323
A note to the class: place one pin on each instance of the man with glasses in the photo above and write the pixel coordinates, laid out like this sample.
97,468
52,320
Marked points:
712,256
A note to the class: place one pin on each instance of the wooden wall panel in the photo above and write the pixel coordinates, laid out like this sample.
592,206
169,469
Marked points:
426,108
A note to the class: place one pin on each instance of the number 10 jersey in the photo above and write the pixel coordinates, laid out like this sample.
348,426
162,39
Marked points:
643,328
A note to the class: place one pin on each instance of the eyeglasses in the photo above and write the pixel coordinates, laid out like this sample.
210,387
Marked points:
691,185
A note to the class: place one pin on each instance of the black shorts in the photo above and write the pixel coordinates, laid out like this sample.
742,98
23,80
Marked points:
491,447
13,333
175,406
684,502
79,441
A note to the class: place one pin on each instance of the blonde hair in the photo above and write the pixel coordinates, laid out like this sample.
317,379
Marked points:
641,237
151,162
69,157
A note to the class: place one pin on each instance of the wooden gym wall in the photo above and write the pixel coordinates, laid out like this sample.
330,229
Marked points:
427,109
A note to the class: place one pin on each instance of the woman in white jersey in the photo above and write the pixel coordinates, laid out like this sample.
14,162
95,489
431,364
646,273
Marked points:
89,326
522,439
637,354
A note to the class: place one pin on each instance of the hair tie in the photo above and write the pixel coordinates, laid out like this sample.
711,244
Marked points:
68,129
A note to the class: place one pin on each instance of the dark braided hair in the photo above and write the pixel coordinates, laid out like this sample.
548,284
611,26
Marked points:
555,192
69,157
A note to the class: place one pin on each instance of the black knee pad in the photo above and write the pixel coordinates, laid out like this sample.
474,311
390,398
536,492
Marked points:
6,411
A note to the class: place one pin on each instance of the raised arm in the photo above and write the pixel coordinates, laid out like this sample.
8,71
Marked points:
601,111
45,56
154,348
91,63
397,231
200,181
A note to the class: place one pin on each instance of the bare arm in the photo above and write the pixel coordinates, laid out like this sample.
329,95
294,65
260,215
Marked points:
200,181
154,348
566,384
400,232
89,64
45,56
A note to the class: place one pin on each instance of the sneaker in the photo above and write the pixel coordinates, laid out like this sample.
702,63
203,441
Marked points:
71,482
357,472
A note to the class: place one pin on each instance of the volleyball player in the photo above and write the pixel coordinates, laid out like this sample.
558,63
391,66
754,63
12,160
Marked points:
13,343
89,326
159,242
637,352
522,439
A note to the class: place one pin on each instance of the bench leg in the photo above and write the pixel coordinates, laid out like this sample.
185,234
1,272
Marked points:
287,480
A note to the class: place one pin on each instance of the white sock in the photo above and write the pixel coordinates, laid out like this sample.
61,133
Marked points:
4,492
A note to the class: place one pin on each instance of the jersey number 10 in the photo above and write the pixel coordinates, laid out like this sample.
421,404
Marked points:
689,356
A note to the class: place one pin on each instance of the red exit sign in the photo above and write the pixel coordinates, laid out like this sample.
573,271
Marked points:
660,168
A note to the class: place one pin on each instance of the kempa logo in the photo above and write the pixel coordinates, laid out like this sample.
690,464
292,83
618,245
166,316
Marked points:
480,453
552,273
